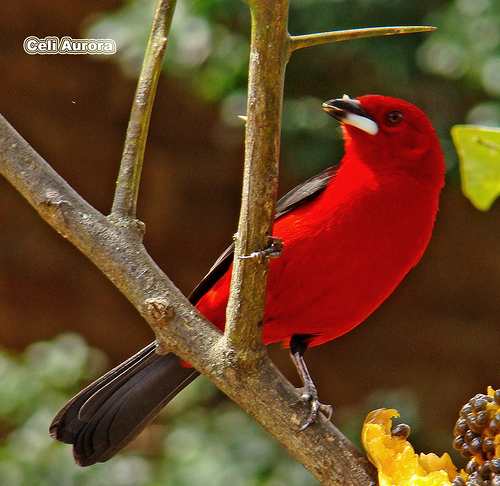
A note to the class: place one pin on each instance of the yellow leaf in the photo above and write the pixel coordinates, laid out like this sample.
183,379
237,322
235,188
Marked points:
479,155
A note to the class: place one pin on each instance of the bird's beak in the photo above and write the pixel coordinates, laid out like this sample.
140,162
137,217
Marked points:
349,112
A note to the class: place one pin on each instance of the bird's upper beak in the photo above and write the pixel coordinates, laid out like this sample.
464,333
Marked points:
349,112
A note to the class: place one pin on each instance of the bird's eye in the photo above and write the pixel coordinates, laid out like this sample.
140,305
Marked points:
394,117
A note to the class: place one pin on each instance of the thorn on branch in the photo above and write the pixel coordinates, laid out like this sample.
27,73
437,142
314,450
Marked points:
301,41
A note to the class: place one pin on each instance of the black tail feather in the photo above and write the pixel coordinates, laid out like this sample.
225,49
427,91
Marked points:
104,417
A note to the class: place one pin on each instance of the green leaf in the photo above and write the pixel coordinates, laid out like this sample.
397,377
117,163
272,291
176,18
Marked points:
479,154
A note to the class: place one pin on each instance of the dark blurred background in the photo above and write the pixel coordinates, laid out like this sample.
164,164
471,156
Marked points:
427,350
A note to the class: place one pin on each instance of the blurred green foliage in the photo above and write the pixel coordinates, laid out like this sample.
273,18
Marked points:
200,438
479,152
210,441
467,44
452,73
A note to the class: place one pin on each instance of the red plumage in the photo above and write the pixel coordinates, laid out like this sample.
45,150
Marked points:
348,249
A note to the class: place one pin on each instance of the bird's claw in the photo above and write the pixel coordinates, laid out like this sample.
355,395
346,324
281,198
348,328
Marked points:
310,395
273,250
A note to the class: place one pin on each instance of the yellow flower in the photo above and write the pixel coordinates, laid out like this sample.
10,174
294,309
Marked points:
395,458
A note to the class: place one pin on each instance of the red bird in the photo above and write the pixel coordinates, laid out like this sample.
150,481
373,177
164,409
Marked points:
350,236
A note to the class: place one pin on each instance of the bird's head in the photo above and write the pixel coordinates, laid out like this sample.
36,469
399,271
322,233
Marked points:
381,128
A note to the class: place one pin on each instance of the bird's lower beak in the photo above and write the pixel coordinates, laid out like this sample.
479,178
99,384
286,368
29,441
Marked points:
349,112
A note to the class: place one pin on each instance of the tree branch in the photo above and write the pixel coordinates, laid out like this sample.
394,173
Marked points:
129,176
268,52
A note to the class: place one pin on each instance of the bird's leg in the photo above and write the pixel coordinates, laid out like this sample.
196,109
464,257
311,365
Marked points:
274,249
298,346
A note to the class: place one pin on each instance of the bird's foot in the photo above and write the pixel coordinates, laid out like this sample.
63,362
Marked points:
310,396
274,249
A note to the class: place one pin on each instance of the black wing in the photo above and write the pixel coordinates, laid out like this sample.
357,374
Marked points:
301,194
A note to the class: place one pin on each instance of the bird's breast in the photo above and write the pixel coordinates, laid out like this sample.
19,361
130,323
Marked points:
345,252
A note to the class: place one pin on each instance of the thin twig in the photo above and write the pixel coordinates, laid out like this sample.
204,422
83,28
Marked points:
127,185
300,41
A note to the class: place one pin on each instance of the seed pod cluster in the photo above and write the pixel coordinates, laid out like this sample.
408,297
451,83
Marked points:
477,437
